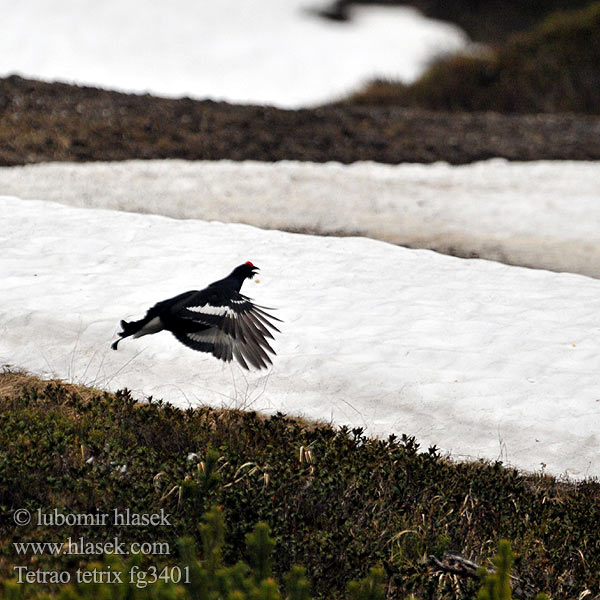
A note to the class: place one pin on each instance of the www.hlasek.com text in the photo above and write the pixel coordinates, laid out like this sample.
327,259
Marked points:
82,546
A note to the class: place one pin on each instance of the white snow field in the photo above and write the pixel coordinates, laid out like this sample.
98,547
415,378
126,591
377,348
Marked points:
538,214
267,52
480,358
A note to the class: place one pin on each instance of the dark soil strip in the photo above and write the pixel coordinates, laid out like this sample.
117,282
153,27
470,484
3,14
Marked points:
59,122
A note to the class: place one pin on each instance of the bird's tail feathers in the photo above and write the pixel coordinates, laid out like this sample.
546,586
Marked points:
129,328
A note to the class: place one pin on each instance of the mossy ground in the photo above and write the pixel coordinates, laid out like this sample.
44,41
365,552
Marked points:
337,501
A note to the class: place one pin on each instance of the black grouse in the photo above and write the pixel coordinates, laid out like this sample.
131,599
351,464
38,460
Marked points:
217,319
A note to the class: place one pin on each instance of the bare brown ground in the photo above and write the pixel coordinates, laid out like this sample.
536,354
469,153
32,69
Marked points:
59,122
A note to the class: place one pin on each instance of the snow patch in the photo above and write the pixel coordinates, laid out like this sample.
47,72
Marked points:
543,214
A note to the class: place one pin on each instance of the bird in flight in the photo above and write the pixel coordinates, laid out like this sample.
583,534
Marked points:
218,319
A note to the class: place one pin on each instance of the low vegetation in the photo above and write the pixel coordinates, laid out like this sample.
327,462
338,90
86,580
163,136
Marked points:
394,519
208,578
551,69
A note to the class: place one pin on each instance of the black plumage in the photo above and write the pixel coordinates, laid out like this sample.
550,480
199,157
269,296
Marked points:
218,320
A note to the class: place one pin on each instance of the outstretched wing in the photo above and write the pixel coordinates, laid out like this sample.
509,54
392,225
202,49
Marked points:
226,324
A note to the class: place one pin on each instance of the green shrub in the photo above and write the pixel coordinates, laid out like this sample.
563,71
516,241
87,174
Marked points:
337,502
496,585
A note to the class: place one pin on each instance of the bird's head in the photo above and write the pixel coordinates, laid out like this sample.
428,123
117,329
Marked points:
236,278
247,270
